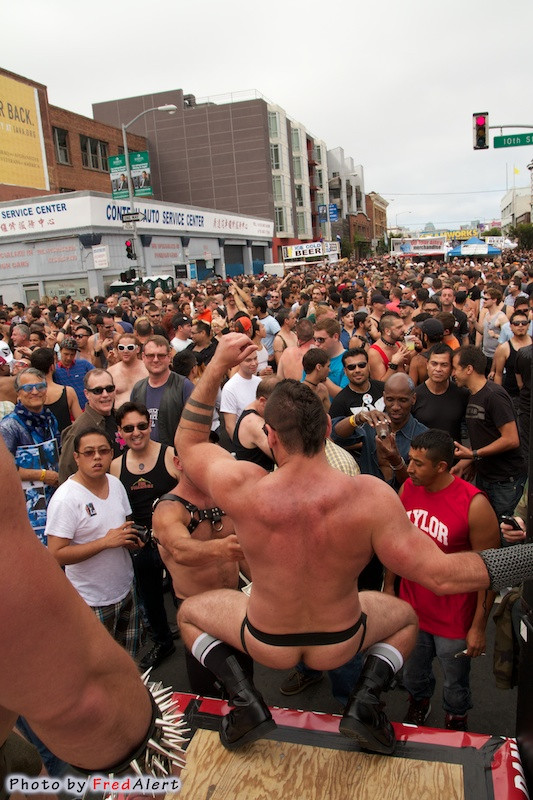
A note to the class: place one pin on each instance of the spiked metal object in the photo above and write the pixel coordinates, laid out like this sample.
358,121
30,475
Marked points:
161,751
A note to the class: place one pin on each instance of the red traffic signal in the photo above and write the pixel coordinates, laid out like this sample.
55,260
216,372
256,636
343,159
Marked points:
481,130
130,252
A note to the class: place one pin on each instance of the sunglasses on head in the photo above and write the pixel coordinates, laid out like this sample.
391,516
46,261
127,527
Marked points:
101,389
128,347
141,426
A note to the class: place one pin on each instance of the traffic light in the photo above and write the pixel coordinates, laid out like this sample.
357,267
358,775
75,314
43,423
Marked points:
130,251
129,276
481,130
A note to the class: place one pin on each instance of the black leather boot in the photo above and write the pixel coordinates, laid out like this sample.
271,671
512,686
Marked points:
364,718
250,718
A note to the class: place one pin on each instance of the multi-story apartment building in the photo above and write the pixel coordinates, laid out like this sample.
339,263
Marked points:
240,155
346,183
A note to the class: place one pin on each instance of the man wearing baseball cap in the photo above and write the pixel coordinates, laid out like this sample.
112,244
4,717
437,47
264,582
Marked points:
182,325
70,370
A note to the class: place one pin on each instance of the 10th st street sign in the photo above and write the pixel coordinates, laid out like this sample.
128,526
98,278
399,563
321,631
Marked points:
515,140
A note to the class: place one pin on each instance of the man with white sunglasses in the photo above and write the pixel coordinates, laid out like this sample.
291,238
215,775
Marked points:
129,369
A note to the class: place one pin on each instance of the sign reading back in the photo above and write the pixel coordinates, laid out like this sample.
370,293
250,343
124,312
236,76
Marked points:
22,153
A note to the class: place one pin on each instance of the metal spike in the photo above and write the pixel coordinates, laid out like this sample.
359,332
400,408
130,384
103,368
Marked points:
171,741
159,690
136,768
157,747
160,765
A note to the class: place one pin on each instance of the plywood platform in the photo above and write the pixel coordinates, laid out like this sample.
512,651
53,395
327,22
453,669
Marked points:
306,758
281,770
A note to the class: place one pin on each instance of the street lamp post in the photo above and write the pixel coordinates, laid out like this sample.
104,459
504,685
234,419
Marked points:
399,214
139,251
530,168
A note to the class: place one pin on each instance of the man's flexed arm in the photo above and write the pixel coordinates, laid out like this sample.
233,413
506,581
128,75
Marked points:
192,436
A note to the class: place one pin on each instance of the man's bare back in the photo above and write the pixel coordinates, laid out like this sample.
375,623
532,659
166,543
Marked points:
290,363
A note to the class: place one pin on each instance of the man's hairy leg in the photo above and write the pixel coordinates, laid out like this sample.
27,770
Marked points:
219,612
389,620
222,612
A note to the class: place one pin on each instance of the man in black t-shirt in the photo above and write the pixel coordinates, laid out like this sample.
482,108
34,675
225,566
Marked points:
362,392
439,402
493,432
523,379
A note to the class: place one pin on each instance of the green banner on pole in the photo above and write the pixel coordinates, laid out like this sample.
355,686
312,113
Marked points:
140,175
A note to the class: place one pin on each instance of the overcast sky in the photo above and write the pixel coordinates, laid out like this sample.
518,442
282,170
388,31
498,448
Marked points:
394,84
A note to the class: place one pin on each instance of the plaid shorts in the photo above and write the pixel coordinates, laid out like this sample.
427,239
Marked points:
123,622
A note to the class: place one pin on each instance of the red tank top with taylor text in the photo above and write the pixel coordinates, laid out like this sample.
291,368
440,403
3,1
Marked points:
443,516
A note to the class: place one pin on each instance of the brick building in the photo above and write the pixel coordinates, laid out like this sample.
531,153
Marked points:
376,209
48,150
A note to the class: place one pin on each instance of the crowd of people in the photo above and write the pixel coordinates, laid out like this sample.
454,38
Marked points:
415,374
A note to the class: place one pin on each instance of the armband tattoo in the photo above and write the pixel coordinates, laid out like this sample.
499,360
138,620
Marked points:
161,749
201,419
508,566
192,402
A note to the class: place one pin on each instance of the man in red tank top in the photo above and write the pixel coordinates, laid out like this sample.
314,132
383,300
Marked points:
458,517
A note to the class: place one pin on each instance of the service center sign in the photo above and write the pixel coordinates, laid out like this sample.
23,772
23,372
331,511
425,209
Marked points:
22,153
61,213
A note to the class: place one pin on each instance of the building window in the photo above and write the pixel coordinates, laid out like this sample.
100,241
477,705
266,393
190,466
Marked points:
277,188
279,213
61,146
296,140
319,183
93,153
297,168
300,221
275,156
273,126
299,194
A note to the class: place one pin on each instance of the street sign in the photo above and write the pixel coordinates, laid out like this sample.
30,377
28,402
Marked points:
516,140
100,256
132,216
